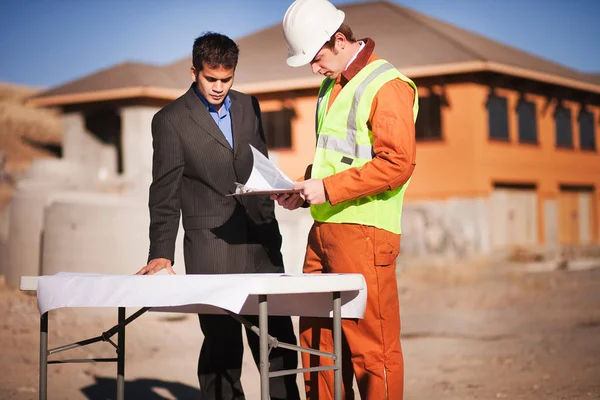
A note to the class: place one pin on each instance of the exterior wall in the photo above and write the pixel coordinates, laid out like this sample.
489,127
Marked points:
454,152
447,168
542,164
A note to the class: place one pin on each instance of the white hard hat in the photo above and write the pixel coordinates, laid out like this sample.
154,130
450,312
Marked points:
307,26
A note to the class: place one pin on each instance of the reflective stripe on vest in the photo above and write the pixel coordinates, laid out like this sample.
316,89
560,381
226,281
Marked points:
322,91
344,141
348,145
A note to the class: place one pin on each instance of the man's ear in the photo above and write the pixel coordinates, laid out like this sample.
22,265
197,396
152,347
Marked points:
194,73
340,40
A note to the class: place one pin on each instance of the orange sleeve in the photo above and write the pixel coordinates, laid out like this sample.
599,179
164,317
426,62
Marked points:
394,146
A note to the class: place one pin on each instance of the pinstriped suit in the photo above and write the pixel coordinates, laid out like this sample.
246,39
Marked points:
194,167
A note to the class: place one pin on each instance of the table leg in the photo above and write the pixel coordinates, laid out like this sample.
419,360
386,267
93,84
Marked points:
121,356
43,356
263,326
337,345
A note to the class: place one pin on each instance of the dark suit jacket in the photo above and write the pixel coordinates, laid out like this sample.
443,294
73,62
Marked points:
193,168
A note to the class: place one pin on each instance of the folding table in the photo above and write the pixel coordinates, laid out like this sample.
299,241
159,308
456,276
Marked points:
320,295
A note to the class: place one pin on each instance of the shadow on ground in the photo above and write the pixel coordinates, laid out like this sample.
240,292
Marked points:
147,389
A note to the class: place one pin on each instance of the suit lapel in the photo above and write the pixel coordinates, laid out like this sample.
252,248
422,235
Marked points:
201,116
236,111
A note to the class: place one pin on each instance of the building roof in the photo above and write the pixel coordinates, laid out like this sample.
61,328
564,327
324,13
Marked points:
595,77
124,80
416,44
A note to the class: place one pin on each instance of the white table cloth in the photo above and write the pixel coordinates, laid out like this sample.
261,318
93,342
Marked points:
295,294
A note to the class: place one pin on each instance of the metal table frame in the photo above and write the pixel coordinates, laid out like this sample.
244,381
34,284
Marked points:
267,342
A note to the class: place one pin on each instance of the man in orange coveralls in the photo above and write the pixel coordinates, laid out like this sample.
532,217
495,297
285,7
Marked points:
364,159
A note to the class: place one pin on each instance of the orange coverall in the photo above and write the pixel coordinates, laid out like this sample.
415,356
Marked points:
372,345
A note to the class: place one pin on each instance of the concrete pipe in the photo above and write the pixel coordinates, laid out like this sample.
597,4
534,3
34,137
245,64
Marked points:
97,233
4,220
25,228
62,171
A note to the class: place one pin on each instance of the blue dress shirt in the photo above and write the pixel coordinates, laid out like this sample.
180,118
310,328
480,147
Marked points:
223,120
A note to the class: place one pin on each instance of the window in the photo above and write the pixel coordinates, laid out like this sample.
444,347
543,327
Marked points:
105,125
564,131
527,122
587,140
515,186
576,188
429,118
278,128
497,117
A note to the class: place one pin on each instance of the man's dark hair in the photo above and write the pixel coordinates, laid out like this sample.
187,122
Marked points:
344,30
214,50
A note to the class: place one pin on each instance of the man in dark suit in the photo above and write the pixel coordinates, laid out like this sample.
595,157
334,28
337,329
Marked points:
201,148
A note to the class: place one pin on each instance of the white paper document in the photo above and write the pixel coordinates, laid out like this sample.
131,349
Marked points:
264,178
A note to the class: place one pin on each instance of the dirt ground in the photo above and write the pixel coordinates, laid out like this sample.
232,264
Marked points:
469,332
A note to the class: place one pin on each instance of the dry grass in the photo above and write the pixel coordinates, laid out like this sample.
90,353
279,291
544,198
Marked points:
5,193
24,131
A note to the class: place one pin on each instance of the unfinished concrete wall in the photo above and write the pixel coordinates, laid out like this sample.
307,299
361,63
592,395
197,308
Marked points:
85,148
136,142
454,228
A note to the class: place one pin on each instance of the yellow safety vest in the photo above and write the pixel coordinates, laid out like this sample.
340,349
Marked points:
344,141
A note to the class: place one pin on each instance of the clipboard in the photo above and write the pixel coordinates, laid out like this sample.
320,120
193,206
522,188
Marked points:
263,192
241,191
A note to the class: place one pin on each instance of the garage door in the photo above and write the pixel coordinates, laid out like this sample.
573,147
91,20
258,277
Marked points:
514,216
575,215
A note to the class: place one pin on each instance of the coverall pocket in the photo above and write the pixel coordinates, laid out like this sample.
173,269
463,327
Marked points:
386,246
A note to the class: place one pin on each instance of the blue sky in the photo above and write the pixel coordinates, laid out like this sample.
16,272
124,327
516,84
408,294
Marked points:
45,43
